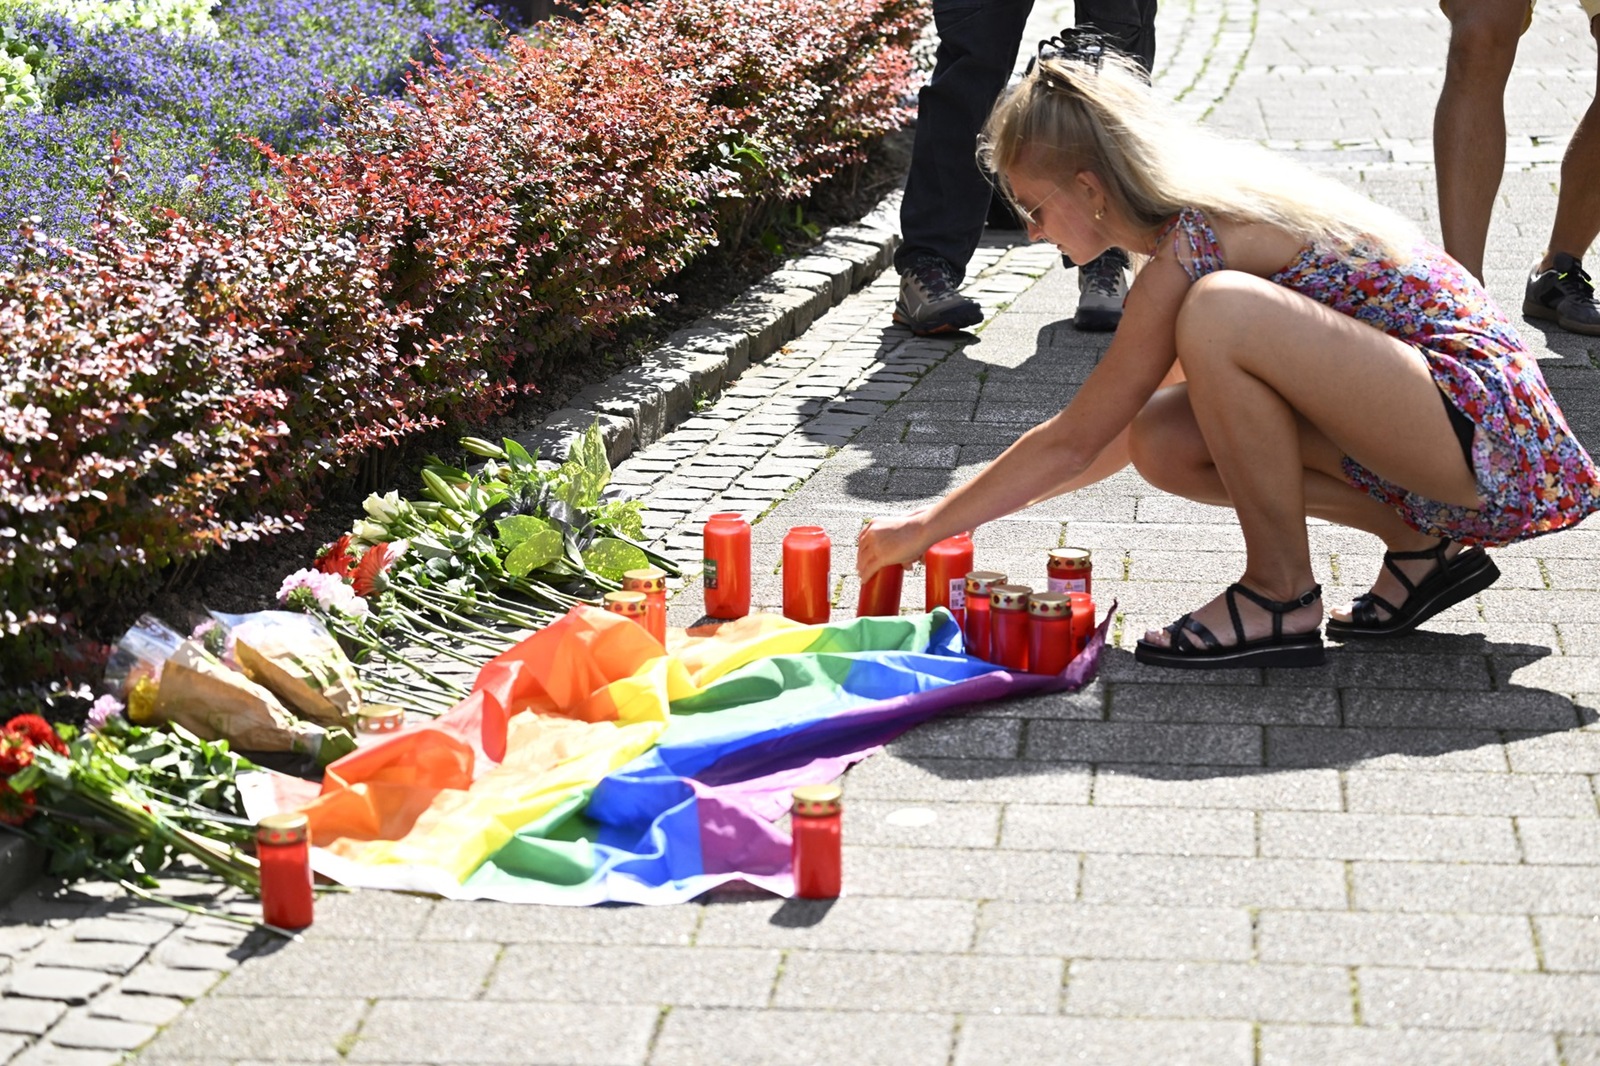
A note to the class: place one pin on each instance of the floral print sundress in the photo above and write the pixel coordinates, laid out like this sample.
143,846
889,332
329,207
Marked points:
1533,474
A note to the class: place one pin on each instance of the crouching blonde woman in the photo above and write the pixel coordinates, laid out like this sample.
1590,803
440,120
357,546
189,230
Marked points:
1290,349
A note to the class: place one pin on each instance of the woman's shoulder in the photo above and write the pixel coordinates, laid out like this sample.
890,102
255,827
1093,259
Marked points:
1204,243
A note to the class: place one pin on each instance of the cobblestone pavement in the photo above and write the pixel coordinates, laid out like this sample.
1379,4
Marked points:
1392,859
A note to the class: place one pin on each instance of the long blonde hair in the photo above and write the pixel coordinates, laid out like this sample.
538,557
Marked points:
1068,116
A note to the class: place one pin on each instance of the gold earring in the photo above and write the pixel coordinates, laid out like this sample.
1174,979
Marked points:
1098,215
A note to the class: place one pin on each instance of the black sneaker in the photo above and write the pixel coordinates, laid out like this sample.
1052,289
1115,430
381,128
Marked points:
930,302
1564,294
1102,287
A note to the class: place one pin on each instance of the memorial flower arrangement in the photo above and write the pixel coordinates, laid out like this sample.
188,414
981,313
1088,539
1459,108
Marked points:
475,564
124,802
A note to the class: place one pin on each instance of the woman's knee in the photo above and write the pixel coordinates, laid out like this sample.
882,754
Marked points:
1164,443
1216,313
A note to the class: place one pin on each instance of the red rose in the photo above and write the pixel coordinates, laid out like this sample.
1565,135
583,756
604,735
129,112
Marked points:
37,730
16,752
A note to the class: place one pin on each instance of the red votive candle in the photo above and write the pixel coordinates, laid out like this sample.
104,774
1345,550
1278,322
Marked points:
726,558
807,555
948,562
880,593
1008,636
975,619
630,605
283,847
1070,570
814,823
653,583
1049,632
1082,621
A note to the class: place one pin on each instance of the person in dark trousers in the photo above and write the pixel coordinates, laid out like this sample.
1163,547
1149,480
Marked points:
947,197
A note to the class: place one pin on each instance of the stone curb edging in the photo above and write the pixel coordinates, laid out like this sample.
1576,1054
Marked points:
637,406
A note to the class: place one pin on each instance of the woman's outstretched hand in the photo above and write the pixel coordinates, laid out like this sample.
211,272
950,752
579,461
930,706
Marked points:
897,539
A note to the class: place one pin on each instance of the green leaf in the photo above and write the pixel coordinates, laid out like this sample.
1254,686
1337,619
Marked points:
534,552
518,528
611,558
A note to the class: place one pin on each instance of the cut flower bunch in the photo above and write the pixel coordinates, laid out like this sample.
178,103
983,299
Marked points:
125,802
476,564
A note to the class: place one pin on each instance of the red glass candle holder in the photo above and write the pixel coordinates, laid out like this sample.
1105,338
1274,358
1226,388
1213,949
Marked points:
880,593
818,855
1049,632
653,583
1070,570
975,622
726,557
1008,618
807,561
1082,621
948,563
630,605
283,847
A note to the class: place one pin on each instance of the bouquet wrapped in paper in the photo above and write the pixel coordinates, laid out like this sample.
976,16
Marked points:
168,678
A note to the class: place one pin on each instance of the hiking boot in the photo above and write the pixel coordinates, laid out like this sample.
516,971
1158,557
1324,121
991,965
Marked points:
1102,286
1564,294
929,301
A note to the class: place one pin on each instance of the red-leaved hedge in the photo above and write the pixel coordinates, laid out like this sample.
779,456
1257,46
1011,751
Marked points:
173,387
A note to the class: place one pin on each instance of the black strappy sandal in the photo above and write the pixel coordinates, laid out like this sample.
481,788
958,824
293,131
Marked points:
1450,582
1280,649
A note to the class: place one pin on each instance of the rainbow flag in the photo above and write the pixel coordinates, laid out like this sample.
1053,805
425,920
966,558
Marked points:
591,765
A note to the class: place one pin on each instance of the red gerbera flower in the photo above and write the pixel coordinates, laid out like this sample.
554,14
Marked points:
15,807
37,730
16,752
368,577
336,558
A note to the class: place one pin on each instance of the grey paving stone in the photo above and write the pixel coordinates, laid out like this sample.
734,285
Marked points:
1210,990
31,1017
961,738
1476,888
892,776
848,924
1139,742
1394,670
1217,786
1455,941
1421,792
1205,881
17,940
512,923
1515,709
81,1030
1462,999
181,953
1224,703
1298,1045
1566,841
1317,835
1571,944
11,1044
923,824
702,977
692,1037
47,1054
337,968
1577,1050
1386,749
988,1041
1569,752
153,979
149,1010
1095,931
1129,830
120,930
960,873
222,1028
55,983
878,981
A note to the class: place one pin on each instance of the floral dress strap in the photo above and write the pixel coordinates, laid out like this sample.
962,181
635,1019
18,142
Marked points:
1198,251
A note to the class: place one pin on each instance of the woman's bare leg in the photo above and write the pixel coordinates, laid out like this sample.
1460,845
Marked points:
1260,361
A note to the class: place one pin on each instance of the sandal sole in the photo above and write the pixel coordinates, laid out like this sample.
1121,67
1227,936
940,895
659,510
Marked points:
1463,587
1234,658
